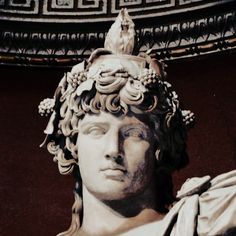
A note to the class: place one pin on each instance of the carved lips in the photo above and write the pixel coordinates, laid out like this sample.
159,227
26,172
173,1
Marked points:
114,172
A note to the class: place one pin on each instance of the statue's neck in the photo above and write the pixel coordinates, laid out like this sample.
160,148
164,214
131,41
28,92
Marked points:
114,217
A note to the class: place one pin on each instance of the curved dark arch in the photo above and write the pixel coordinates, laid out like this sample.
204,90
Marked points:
64,32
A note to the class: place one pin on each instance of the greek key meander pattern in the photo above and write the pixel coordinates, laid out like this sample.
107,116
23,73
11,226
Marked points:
89,10
191,38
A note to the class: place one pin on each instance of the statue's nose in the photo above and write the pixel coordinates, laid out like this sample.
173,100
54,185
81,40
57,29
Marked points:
113,148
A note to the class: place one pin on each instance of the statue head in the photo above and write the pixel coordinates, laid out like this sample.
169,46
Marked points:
115,105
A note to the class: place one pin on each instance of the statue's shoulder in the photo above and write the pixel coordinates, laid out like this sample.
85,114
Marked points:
203,185
217,206
208,206
205,207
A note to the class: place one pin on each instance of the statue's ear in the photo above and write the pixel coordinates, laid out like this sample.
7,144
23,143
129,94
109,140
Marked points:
74,154
71,145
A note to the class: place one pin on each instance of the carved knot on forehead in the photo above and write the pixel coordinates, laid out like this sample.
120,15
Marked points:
111,80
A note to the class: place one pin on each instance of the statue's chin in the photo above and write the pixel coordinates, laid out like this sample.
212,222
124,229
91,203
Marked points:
117,191
110,194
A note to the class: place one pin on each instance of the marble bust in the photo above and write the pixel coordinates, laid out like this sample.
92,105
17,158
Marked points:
117,126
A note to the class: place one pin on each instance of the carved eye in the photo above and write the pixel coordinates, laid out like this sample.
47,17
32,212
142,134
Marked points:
135,132
95,131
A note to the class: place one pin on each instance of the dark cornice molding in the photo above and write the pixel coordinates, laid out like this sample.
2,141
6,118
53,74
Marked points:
188,34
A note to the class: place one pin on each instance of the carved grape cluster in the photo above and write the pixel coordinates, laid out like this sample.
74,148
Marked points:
76,79
188,118
46,106
148,77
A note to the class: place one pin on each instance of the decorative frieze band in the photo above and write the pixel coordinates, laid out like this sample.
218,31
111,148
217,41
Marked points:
180,38
79,11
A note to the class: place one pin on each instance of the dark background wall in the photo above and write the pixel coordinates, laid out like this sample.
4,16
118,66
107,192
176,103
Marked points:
36,200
